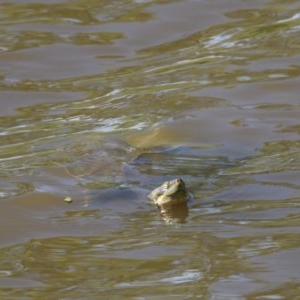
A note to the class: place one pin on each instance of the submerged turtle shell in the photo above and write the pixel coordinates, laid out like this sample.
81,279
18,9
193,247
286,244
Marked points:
107,164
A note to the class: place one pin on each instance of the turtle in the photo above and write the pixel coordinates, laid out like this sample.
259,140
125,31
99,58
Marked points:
173,192
111,165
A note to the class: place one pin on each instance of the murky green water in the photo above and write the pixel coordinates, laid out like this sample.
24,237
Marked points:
105,96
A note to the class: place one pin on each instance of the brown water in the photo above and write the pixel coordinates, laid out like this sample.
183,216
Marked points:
203,90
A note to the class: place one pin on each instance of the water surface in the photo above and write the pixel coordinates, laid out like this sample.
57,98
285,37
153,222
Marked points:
138,92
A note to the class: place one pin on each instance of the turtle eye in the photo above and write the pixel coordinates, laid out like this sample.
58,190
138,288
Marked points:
166,184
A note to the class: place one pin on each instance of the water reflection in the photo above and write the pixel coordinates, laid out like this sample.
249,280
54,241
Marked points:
174,214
